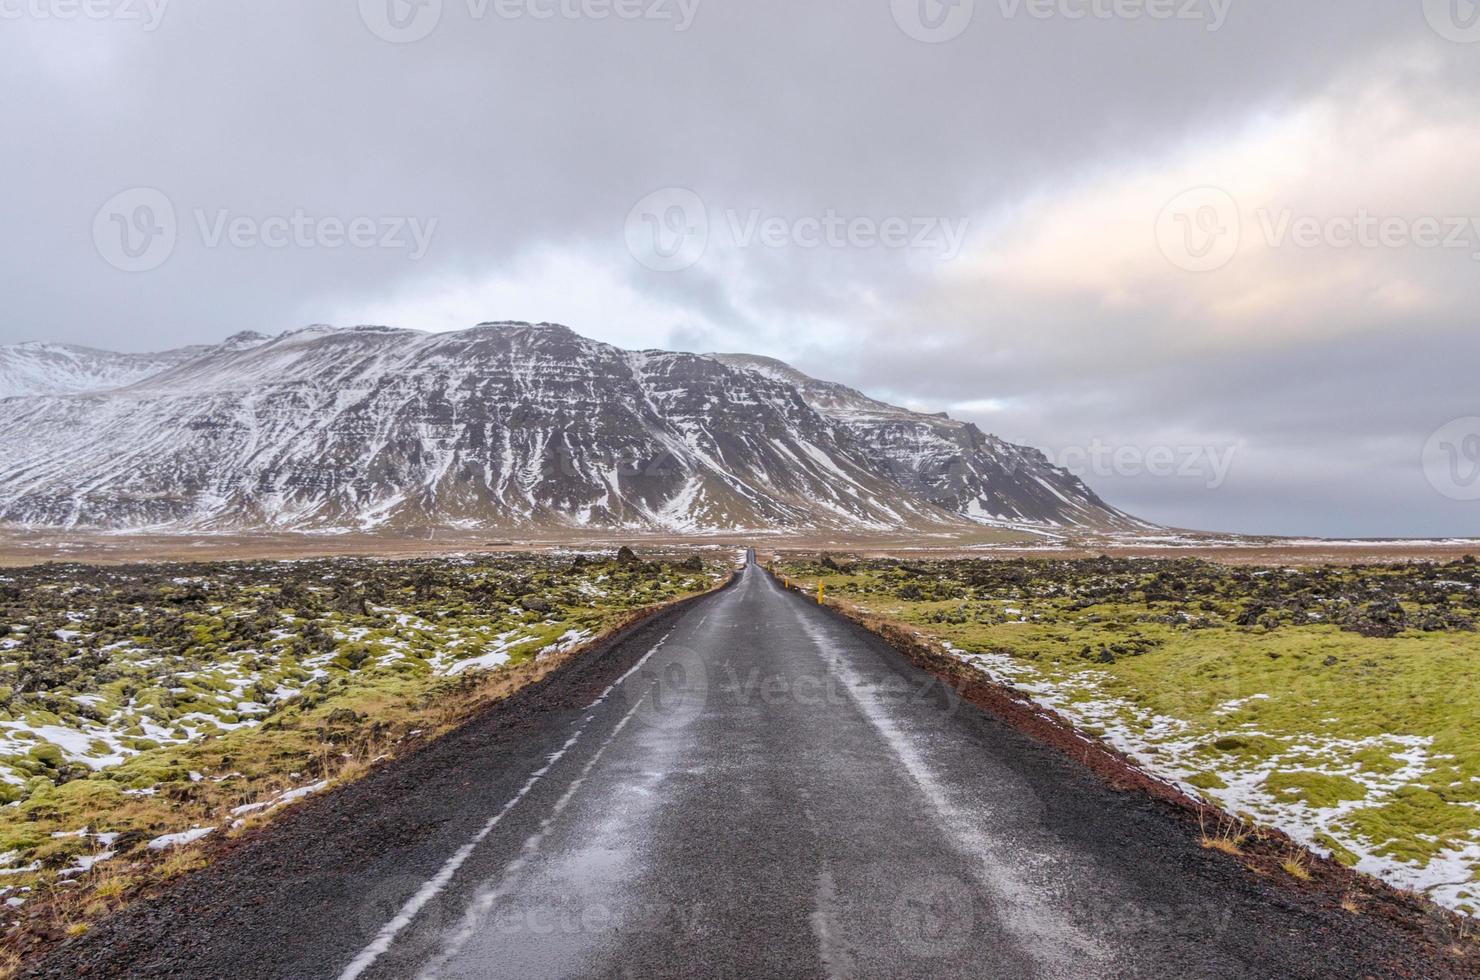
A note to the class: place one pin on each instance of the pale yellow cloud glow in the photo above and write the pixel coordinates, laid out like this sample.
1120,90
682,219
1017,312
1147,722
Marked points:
1335,215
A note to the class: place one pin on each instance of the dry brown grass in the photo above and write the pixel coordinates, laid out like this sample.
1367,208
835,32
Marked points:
1296,865
110,881
1227,839
181,861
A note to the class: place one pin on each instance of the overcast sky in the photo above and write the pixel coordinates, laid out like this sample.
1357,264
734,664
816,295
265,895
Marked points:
1216,255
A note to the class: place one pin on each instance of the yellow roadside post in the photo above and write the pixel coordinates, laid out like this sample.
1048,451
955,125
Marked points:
819,593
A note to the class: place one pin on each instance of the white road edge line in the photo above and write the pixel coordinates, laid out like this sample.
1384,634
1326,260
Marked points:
486,896
1045,936
440,880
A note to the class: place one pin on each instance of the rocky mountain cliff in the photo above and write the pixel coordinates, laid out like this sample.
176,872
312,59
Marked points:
506,425
951,464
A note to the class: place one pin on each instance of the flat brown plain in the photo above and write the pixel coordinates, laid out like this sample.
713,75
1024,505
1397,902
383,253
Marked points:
36,547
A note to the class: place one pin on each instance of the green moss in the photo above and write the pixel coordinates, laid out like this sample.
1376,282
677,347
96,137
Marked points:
21,838
1338,852
1391,826
1251,747
200,648
1313,788
47,754
1207,780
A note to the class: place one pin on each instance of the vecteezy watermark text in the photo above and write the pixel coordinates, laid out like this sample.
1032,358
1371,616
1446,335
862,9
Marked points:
1210,464
937,21
833,230
670,229
1204,228
149,14
1213,14
407,21
1367,230
138,229
303,230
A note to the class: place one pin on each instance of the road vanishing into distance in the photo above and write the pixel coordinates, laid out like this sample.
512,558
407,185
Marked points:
746,786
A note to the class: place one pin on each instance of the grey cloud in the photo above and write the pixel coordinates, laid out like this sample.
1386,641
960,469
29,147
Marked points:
521,135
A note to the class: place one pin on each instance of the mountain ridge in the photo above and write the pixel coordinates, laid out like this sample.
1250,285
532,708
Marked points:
504,425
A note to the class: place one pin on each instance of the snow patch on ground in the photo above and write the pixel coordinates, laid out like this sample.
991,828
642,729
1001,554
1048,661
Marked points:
1174,750
282,799
180,839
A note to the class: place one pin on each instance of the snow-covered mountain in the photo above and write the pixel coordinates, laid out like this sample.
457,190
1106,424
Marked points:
64,369
504,425
951,464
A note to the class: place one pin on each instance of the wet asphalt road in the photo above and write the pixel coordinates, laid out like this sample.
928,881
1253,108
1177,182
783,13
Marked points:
746,786
772,792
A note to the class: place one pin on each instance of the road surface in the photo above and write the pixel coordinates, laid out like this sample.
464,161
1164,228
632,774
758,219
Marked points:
750,786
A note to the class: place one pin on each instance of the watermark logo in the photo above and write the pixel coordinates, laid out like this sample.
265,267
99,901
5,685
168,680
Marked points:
670,690
933,21
135,230
1451,459
934,915
1454,20
401,21
1200,229
668,230
149,14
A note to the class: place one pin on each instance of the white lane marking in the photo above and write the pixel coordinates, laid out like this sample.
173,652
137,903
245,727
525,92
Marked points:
836,963
487,896
1042,932
440,880
635,668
